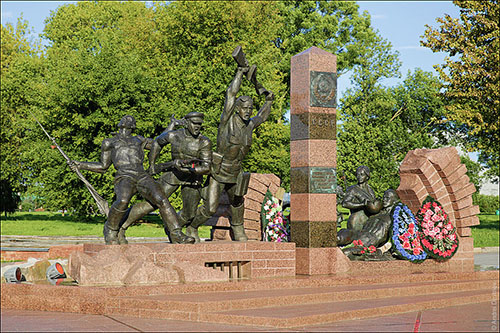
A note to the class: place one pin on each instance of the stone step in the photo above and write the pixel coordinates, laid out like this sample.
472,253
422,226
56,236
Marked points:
287,316
236,300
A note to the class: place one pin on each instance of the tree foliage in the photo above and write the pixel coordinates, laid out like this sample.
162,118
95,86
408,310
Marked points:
380,125
472,74
108,59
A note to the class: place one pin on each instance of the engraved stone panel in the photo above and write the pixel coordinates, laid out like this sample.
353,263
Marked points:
323,89
318,126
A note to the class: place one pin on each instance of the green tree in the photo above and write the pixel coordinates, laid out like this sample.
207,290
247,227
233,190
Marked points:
471,74
20,70
380,125
108,59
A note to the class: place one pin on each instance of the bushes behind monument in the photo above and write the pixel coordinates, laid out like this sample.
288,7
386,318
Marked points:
488,204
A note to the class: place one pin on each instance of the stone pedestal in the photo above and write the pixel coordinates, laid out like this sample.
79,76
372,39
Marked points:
313,154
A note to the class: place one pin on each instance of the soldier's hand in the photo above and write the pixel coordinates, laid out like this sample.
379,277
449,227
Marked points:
73,165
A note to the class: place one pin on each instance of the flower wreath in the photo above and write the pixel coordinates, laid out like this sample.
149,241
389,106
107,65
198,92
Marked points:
405,238
275,228
438,235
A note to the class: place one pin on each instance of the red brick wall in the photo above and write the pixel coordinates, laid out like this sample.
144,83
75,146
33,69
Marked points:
439,173
257,188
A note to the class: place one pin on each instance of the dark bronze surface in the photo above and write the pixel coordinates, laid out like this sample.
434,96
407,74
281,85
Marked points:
323,89
310,125
314,234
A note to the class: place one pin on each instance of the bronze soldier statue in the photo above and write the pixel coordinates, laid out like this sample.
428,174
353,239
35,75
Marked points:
126,153
191,157
234,138
376,229
361,200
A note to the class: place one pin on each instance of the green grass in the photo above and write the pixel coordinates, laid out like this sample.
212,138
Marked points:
54,224
487,233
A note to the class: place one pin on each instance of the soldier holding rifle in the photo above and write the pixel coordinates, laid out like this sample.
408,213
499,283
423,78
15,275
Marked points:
191,157
126,153
234,138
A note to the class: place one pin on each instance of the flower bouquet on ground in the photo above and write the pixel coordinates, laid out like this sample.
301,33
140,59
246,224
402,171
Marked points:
439,237
275,228
405,236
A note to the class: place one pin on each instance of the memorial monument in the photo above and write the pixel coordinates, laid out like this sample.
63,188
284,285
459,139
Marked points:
125,152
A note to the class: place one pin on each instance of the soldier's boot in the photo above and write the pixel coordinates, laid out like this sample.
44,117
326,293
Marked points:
110,235
199,219
112,226
237,223
174,232
121,236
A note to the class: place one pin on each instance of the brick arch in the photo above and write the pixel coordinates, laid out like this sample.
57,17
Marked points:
440,174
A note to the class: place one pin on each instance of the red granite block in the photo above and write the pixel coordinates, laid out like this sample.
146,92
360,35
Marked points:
262,272
441,195
260,246
318,261
412,163
221,234
278,255
313,206
253,225
253,234
466,212
469,189
464,232
458,184
280,263
466,244
456,174
462,203
313,153
257,186
254,195
442,157
312,59
253,204
469,221
282,271
273,188
252,215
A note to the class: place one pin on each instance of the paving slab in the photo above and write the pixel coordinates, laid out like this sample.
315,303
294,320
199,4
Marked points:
480,317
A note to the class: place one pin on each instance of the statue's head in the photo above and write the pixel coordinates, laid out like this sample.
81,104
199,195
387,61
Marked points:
362,173
244,107
127,122
390,198
194,121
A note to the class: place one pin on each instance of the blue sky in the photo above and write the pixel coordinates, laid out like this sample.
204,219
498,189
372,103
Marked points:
400,22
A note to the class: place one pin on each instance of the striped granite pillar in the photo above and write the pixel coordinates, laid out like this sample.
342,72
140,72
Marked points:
313,157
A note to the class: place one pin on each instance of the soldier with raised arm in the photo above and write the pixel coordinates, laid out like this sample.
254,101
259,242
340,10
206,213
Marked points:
234,138
191,157
126,152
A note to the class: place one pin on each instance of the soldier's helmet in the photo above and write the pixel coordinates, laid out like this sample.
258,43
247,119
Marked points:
127,122
195,117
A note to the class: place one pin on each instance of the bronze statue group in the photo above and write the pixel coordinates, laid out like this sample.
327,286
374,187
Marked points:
192,158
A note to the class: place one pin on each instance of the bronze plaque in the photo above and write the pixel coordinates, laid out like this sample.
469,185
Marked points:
323,89
322,180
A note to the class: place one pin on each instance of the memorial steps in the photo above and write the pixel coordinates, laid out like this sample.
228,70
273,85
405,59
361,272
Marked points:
270,303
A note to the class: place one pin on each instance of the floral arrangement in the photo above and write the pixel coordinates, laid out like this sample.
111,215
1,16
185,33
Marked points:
405,236
275,228
368,250
439,238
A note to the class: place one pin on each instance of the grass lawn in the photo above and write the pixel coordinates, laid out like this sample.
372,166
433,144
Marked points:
487,233
54,224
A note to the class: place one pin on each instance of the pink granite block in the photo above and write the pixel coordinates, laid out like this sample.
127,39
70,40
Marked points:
458,173
252,215
313,206
462,203
318,261
469,189
313,153
258,186
464,232
253,205
466,212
